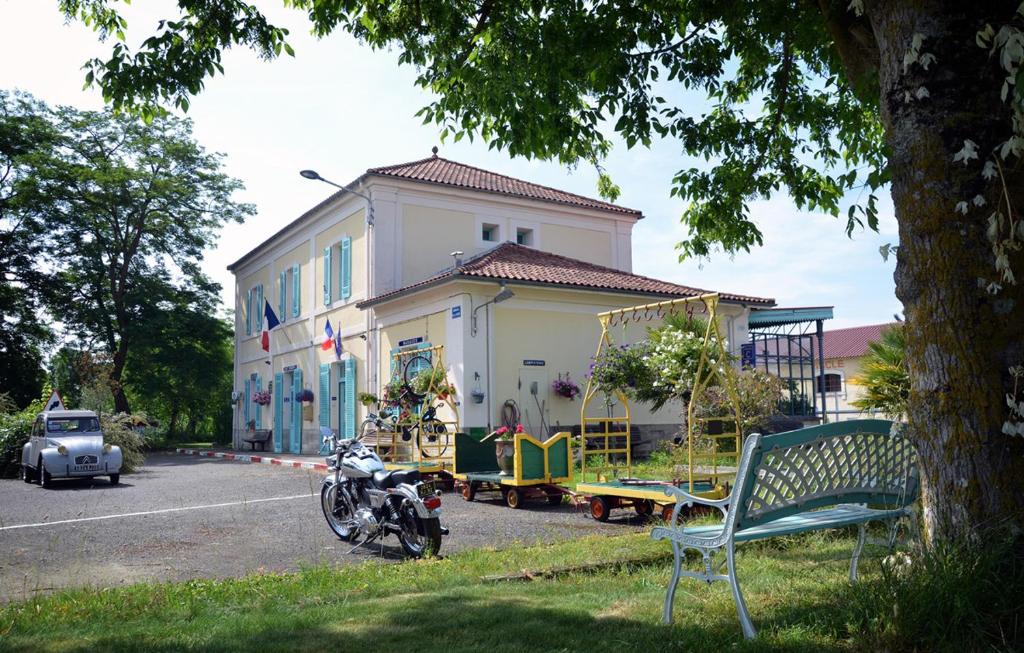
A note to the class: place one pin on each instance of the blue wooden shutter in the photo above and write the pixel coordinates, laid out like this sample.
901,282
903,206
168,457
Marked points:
278,410
327,275
346,267
296,435
296,291
248,313
248,401
350,398
259,308
282,295
259,409
325,394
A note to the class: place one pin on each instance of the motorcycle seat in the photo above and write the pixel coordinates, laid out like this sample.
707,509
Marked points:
385,480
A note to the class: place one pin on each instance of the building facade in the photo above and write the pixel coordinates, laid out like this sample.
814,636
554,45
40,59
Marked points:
420,261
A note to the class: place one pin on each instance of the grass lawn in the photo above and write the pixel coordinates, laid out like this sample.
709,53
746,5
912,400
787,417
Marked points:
795,589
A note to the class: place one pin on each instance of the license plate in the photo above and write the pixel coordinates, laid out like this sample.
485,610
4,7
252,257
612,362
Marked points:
425,489
86,468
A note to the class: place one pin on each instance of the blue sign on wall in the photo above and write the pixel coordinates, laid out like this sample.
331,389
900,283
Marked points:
748,355
456,312
410,341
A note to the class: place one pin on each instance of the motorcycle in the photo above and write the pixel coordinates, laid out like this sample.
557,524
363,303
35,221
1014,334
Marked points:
360,498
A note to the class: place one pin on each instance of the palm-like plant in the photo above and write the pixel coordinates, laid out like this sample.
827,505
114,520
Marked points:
884,375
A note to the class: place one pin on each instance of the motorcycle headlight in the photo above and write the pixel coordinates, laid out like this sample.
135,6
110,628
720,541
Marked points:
107,448
62,450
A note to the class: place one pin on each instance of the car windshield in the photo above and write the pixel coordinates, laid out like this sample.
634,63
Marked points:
62,425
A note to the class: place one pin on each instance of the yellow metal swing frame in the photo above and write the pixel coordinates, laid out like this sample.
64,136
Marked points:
397,453
611,440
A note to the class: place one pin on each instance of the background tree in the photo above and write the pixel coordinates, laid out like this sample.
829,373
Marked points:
814,99
26,134
884,375
140,202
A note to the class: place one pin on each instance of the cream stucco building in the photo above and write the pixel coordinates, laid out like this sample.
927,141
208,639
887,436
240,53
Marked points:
416,259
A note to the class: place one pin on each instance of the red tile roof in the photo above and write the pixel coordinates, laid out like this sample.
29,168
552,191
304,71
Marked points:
437,170
851,342
516,263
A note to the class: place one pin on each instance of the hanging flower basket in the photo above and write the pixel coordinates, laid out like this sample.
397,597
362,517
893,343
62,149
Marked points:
565,387
305,396
262,397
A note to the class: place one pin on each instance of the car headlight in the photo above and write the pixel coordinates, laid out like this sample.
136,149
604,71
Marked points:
107,448
62,450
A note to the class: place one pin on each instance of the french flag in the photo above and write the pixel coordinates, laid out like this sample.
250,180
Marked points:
328,342
270,322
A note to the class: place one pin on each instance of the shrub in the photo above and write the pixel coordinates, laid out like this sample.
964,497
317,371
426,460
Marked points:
118,432
14,433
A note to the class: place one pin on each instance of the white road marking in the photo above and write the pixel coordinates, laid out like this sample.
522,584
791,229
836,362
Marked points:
155,512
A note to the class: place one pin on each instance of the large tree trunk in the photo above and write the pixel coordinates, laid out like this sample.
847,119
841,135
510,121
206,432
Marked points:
961,339
121,404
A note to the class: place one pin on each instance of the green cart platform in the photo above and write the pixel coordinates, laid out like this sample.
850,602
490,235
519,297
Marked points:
539,469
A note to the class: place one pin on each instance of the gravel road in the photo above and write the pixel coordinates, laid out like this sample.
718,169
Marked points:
183,517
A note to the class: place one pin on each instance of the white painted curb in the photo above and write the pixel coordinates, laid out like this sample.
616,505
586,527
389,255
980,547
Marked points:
250,458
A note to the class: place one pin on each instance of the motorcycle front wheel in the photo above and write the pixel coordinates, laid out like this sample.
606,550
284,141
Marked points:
419,537
336,522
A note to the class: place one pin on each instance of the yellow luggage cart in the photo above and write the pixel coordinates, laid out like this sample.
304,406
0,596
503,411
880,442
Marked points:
539,468
606,441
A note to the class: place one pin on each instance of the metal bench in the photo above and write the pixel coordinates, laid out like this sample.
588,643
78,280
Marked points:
261,437
812,479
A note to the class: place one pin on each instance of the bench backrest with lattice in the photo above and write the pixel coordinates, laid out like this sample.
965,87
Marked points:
858,461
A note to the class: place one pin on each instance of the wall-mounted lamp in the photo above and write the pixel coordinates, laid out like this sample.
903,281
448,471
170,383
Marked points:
504,293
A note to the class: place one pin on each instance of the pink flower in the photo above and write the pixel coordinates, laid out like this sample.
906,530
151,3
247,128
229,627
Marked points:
519,428
502,431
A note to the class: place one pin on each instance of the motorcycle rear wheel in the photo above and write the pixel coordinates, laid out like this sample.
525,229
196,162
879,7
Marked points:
419,537
336,522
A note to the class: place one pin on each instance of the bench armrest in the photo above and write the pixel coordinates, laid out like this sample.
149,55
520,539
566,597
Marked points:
684,498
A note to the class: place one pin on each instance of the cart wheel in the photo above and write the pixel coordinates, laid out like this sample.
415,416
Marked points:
468,491
599,508
666,513
513,498
554,499
644,507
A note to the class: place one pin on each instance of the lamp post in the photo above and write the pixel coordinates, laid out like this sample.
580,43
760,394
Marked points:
371,363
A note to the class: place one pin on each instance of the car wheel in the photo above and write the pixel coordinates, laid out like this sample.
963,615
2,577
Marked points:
26,474
45,480
115,479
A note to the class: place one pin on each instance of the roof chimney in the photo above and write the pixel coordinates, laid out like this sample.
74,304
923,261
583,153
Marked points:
457,256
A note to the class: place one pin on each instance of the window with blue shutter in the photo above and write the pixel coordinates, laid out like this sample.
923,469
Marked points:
296,433
282,294
325,395
259,308
327,275
346,267
278,410
248,313
296,291
350,398
259,409
248,402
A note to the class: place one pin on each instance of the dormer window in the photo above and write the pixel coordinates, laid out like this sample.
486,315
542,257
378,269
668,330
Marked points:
489,233
524,237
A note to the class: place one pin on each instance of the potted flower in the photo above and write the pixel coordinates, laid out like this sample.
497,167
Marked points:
505,449
262,397
368,399
565,388
305,396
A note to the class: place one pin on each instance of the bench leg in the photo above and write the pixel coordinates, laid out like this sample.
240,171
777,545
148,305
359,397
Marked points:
666,617
857,549
741,608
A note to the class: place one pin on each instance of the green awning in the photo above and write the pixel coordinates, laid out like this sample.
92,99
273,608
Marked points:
769,317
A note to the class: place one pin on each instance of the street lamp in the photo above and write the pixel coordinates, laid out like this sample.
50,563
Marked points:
504,293
315,176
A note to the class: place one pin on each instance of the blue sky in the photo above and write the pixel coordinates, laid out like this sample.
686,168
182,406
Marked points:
340,108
